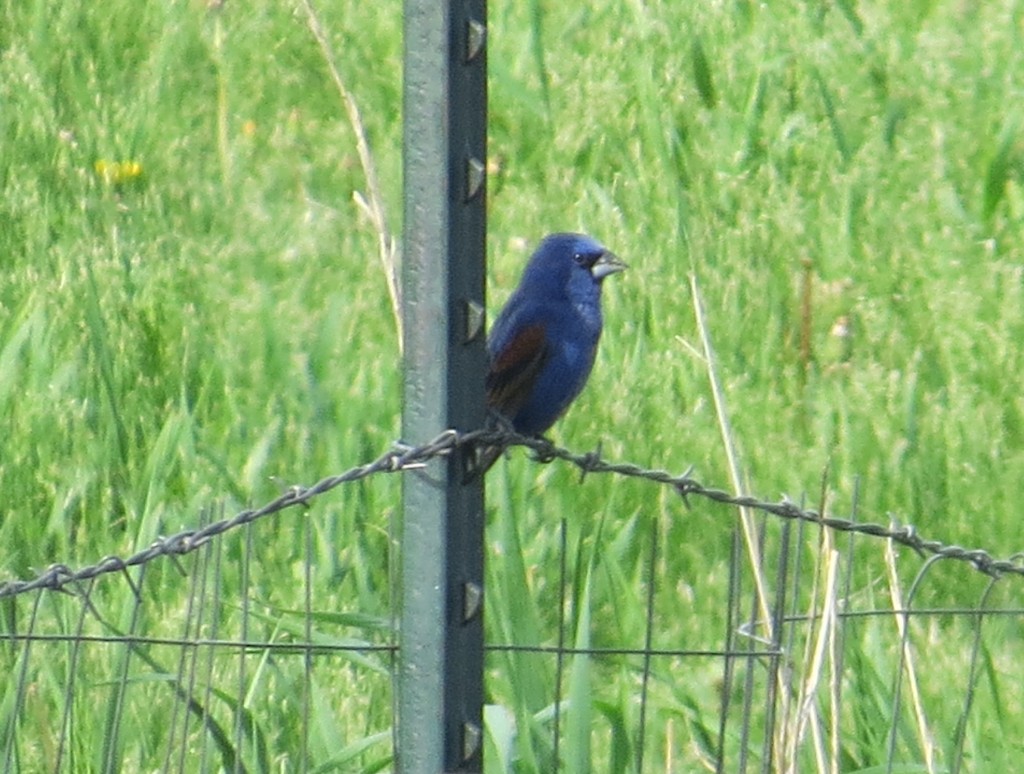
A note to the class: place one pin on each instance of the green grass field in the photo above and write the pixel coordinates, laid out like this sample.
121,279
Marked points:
193,316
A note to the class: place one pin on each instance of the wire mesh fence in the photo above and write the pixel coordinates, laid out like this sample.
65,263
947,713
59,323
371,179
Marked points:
837,651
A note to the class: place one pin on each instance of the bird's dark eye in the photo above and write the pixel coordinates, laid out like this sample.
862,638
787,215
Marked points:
582,259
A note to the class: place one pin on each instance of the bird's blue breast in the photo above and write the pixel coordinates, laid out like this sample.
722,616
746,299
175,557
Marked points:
571,335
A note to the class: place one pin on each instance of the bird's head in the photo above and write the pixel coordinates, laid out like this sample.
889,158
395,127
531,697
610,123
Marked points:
570,263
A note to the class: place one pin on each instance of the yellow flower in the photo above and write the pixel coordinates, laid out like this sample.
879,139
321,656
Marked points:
117,172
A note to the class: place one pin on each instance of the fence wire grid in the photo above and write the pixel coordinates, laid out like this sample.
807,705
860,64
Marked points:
827,662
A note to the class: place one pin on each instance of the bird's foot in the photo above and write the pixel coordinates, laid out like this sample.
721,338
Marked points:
543,448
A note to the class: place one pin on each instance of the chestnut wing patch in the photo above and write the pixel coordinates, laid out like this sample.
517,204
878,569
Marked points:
514,370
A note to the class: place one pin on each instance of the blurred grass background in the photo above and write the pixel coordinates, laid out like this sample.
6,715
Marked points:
192,310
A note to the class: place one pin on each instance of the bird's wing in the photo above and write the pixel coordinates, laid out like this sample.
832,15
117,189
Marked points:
514,369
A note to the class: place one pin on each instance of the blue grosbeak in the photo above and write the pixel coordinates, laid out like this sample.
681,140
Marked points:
543,343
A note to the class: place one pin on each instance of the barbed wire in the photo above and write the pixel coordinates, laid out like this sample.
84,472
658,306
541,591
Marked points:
399,458
402,457
685,485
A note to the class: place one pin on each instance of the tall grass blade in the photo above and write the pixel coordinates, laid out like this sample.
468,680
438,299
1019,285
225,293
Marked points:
997,172
838,133
702,74
580,720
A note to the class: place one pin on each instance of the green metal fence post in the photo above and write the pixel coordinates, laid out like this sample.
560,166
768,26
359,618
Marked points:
440,718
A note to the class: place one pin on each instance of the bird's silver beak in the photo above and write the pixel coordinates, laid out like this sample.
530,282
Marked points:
608,263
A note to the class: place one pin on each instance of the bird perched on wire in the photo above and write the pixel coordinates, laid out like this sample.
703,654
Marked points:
543,343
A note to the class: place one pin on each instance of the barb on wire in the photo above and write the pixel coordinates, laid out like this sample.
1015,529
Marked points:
402,458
